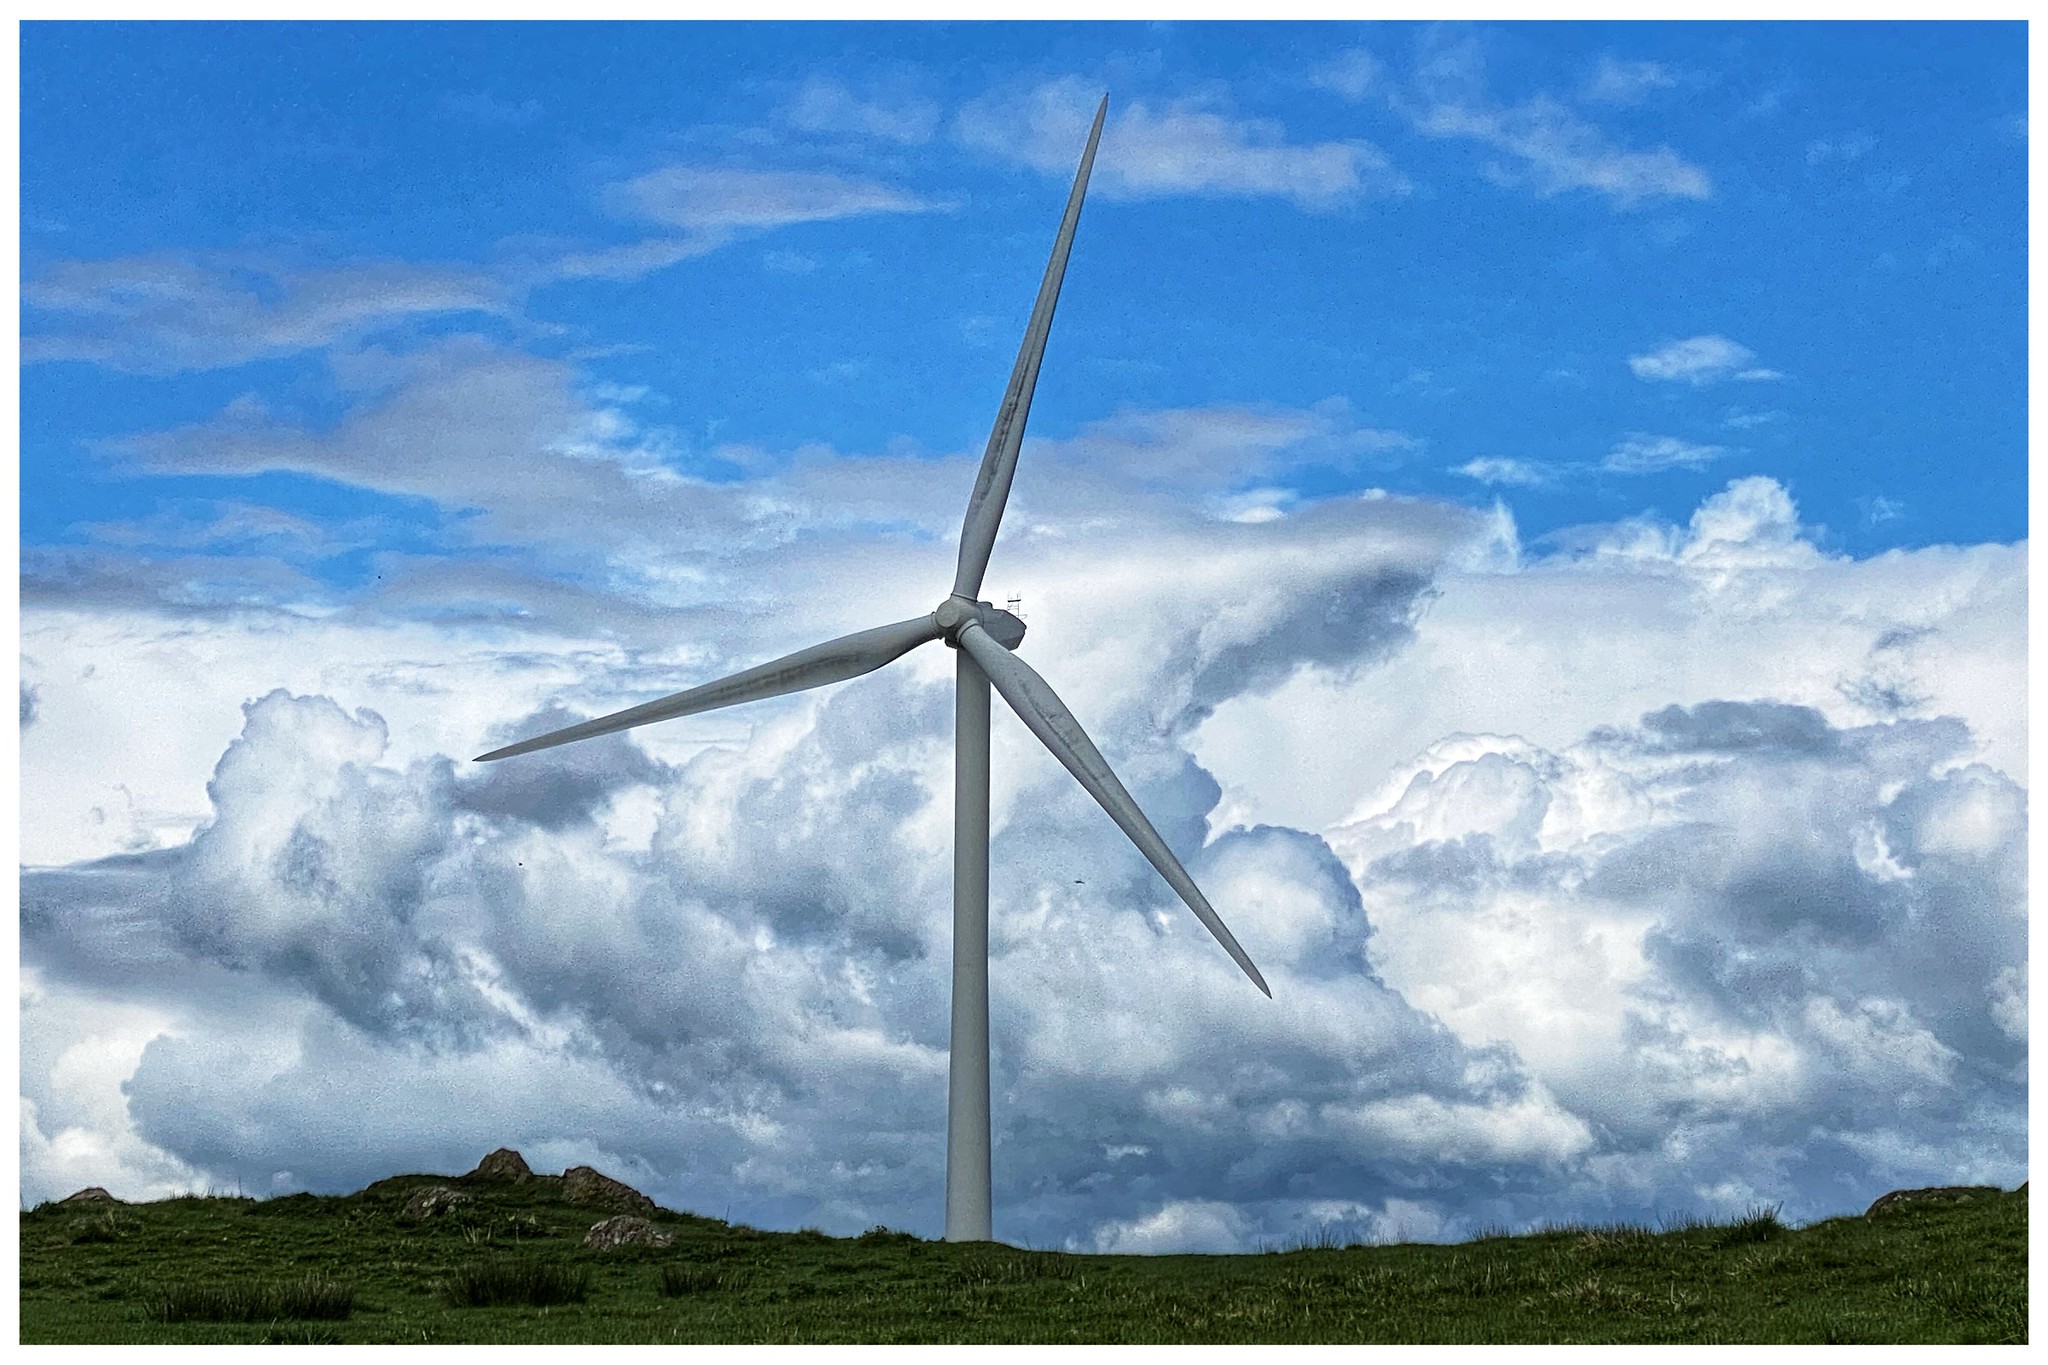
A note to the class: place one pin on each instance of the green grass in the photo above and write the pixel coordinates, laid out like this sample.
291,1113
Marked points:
312,1297
500,1284
510,1267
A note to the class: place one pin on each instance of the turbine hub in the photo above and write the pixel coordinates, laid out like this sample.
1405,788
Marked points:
955,613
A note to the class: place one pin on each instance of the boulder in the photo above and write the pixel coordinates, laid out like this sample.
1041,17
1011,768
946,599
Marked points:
91,1194
1939,1194
624,1230
503,1164
583,1185
431,1202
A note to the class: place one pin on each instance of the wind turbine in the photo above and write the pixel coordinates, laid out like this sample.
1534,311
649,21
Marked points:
984,638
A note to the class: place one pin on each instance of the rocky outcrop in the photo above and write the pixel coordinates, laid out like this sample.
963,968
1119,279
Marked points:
91,1194
503,1164
431,1202
583,1185
625,1230
1939,1194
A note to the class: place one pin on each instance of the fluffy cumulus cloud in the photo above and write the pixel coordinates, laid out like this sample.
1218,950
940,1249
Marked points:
1679,869
1731,936
1183,146
734,967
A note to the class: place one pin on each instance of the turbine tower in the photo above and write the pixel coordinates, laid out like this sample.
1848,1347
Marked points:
983,637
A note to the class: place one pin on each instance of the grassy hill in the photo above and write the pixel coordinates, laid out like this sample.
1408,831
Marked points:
509,1266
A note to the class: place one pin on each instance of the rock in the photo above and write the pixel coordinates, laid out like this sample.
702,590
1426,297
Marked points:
583,1185
624,1230
503,1164
1940,1194
91,1194
433,1200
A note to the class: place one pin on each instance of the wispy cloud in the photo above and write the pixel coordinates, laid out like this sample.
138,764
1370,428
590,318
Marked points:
631,260
1227,445
714,206
1699,361
1618,82
1849,147
1352,74
826,106
1549,148
1185,146
1878,509
1640,454
1515,473
168,313
723,199
473,428
1555,152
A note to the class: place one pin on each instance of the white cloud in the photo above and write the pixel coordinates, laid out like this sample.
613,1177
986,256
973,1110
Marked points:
1516,473
1184,1225
502,441
169,313
1551,149
1186,146
1699,361
1555,152
826,106
1353,73
464,423
714,206
1850,147
76,1052
725,199
1504,973
1738,602
631,260
389,916
163,314
1641,454
1623,82
1227,444
1706,924
1665,922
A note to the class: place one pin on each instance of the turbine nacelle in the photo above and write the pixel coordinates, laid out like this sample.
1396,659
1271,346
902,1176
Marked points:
956,613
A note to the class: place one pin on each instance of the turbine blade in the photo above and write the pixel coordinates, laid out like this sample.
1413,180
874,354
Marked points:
849,656
999,461
1041,709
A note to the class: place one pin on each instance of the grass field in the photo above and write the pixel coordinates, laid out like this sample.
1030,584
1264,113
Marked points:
509,1267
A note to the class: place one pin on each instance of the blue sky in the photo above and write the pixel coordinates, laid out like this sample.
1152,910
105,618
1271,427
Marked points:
1535,511
1844,203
